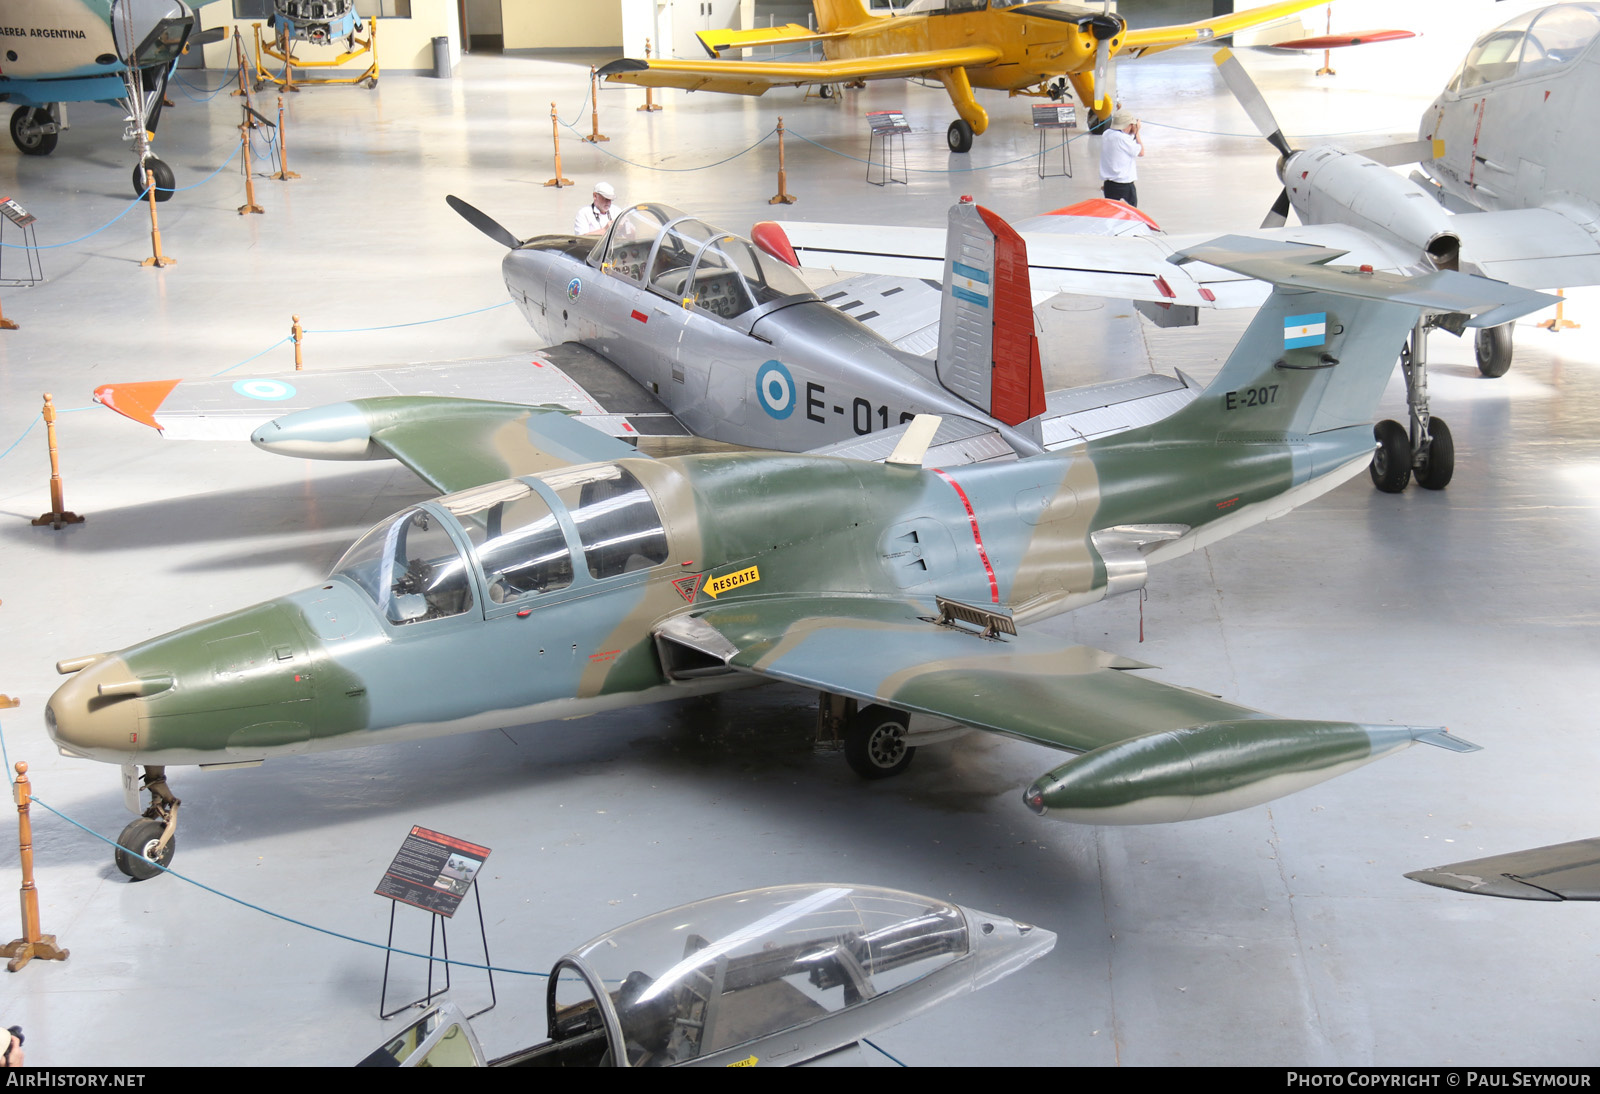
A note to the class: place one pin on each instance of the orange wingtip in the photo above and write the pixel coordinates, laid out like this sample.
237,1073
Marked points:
138,401
1106,208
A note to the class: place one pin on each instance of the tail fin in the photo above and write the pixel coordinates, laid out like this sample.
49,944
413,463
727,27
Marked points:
988,351
1318,354
839,14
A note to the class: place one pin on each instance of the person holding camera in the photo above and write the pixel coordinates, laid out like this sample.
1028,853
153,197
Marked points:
1120,148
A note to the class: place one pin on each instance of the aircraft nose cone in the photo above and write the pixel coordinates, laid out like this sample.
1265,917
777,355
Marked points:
84,721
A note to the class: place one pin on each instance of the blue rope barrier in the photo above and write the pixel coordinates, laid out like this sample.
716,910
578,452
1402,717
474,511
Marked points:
395,326
287,918
207,94
683,170
937,170
263,353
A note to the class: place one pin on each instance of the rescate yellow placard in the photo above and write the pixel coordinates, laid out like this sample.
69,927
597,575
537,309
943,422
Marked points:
719,585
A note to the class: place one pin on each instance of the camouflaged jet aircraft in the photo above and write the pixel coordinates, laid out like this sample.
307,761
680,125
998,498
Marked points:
563,575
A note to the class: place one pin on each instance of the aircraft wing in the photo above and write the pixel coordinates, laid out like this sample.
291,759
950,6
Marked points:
1137,43
903,311
756,77
1563,871
452,444
1123,266
1536,248
715,41
1150,751
233,407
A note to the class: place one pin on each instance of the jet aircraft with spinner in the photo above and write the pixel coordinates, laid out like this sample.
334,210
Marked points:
562,574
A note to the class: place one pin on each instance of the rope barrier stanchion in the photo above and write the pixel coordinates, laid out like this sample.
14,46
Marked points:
649,101
32,944
595,136
555,138
7,324
156,259
782,197
1559,322
295,333
58,517
249,205
238,46
284,174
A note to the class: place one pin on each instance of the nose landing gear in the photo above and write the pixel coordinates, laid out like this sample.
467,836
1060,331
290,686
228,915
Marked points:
147,845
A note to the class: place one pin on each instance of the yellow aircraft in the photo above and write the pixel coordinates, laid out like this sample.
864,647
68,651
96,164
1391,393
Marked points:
1026,48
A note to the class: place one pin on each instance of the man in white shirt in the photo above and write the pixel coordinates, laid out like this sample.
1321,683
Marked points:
1120,148
596,217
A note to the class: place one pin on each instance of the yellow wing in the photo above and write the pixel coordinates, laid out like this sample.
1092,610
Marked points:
755,77
1155,39
715,41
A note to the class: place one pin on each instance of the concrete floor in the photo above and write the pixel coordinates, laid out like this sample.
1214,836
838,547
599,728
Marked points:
1279,935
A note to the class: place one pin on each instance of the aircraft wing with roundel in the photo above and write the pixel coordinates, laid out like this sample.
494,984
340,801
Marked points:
756,77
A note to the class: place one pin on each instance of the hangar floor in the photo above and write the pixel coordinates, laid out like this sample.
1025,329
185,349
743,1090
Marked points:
1279,935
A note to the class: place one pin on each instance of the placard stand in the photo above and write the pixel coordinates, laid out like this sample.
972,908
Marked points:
26,221
886,125
433,871
438,925
1055,117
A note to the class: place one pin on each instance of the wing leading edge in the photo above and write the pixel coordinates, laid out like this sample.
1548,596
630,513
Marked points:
1148,752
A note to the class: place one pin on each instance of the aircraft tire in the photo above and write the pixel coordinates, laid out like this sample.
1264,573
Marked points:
1493,349
1098,124
142,835
165,183
39,144
875,742
960,136
1391,460
1436,471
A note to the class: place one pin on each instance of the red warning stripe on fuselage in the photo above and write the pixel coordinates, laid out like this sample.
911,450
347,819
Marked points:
977,537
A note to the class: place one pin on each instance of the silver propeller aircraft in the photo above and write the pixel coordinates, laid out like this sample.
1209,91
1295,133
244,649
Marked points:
1506,149
563,574
118,52
667,326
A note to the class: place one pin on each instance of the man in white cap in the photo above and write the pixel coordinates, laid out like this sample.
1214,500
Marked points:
596,217
1120,148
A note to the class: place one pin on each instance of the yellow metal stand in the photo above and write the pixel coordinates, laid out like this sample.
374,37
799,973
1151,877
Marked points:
282,50
1559,322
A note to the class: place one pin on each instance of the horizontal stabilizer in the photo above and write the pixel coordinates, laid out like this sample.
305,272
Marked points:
1296,266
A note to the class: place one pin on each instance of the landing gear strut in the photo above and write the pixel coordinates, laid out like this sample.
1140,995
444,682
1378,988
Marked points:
152,835
1426,451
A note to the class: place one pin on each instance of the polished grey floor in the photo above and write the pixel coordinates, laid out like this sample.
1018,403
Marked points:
1280,935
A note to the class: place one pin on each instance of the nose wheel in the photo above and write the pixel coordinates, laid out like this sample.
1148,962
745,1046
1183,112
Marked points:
148,844
1426,452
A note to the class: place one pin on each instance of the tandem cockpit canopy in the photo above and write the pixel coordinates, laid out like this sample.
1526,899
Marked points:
505,544
695,264
1533,42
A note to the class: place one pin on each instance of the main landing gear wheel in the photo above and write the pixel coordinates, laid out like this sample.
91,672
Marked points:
1098,124
875,742
1391,462
25,133
162,175
1493,346
1438,459
143,835
960,136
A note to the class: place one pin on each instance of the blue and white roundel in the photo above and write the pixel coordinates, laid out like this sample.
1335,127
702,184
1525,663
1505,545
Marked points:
775,390
269,390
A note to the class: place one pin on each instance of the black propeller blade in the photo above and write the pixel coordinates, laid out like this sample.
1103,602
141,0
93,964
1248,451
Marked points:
483,222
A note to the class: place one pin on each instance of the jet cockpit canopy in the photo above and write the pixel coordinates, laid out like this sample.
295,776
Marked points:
507,543
1533,42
